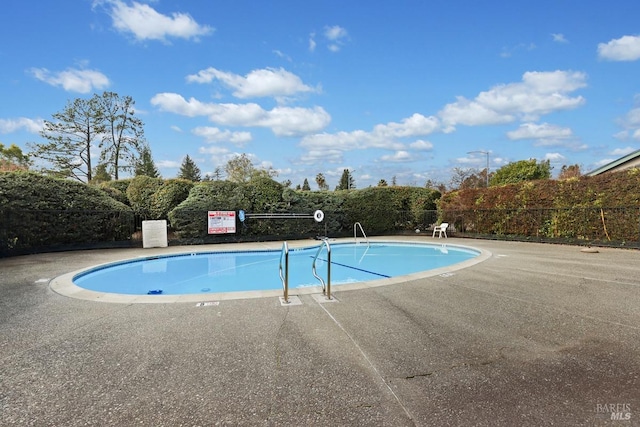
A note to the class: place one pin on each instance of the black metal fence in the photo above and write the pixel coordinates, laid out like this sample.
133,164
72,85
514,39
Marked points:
33,231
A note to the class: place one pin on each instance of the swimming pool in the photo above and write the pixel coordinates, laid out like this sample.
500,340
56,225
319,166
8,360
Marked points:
236,271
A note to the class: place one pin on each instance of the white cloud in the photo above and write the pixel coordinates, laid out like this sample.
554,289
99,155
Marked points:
555,157
631,119
176,128
543,131
416,125
168,164
382,136
312,42
283,121
336,36
603,162
145,23
538,94
213,134
508,51
258,83
626,48
216,150
73,80
471,113
21,123
335,33
622,151
421,145
397,157
282,55
322,155
559,38
630,123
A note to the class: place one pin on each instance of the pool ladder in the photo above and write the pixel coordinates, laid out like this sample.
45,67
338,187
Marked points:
326,286
355,235
284,254
283,269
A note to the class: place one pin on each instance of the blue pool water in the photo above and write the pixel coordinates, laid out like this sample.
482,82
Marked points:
212,272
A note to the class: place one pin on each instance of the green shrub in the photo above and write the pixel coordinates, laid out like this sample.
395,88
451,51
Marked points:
189,218
38,211
385,209
140,193
373,207
120,185
377,209
114,192
168,196
266,195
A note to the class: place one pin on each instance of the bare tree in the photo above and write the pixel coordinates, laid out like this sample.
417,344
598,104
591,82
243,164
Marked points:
123,136
460,175
571,171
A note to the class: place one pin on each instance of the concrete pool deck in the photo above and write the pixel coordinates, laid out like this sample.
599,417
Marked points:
534,335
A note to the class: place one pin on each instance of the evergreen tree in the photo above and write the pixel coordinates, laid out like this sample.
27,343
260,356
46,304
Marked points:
107,121
100,174
189,170
347,182
145,165
305,185
69,139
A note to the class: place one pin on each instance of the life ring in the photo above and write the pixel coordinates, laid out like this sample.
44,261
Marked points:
318,215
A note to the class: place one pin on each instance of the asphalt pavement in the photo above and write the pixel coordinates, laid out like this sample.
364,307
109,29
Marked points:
535,334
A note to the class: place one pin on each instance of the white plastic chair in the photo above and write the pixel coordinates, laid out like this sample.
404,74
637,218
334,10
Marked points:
441,229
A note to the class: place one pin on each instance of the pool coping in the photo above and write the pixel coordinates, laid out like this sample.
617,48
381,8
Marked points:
64,285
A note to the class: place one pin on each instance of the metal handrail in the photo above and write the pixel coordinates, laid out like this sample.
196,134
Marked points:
278,215
285,277
326,287
355,230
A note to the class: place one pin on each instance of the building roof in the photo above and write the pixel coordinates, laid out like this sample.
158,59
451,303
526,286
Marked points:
618,164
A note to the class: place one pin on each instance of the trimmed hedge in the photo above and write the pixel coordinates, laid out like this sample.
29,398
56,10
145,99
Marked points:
189,218
586,208
38,211
140,193
377,208
171,193
116,189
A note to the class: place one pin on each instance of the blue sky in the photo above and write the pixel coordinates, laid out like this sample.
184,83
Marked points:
403,88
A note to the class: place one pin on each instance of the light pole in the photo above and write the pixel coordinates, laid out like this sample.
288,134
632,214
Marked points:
487,154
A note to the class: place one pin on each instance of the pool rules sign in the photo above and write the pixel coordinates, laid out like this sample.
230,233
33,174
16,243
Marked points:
221,222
